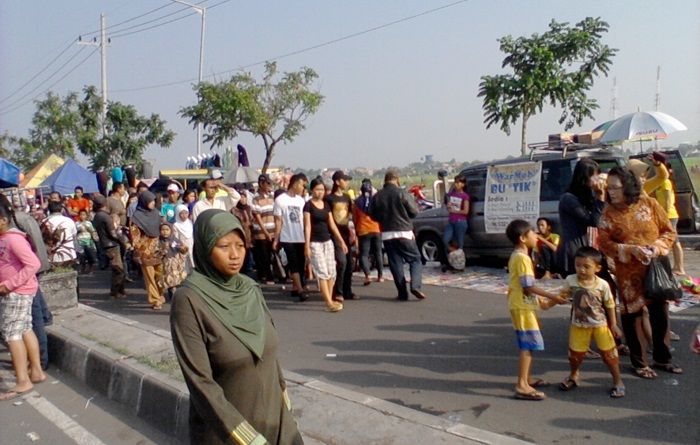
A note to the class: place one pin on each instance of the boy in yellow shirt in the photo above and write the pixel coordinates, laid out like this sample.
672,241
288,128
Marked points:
524,298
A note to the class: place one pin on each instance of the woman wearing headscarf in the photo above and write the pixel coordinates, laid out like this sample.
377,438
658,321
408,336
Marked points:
183,232
579,209
226,344
145,232
368,233
634,229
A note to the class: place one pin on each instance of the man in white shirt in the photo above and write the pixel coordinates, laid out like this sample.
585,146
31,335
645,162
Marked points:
289,230
212,201
63,232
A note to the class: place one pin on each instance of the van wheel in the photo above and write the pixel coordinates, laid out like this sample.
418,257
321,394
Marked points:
431,248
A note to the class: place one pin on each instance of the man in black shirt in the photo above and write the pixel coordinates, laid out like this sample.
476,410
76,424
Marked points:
341,209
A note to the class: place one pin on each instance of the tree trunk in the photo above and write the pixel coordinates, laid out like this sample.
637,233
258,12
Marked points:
523,133
269,153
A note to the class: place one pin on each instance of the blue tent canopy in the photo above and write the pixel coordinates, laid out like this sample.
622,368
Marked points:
68,176
9,174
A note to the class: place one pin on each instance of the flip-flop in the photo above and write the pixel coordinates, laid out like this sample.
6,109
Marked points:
669,367
540,383
11,395
532,395
617,392
645,373
568,384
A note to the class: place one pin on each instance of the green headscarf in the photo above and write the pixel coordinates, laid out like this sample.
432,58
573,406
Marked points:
236,301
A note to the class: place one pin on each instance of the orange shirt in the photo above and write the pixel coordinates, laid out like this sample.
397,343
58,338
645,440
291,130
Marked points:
364,225
76,205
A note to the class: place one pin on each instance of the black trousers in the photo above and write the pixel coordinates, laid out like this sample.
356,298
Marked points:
658,318
372,242
343,269
262,253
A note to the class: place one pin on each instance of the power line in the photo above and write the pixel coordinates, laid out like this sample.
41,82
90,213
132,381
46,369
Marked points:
168,4
53,84
300,51
70,45
43,81
121,32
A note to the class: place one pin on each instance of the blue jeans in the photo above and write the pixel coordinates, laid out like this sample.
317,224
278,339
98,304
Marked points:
369,242
400,250
40,315
455,230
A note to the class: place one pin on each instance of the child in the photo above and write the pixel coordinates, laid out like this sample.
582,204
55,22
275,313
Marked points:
173,254
523,303
545,251
456,259
183,232
18,285
592,315
87,251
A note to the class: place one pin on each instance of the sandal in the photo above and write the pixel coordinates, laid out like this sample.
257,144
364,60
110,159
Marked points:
645,373
540,383
592,355
337,307
669,367
568,384
532,395
617,392
367,282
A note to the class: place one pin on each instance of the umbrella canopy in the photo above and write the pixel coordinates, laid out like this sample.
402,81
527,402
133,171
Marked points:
642,125
9,174
68,176
241,175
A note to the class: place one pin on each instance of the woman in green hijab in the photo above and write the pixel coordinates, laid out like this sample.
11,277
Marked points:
227,345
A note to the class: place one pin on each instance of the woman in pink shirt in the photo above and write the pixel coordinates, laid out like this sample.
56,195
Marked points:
18,285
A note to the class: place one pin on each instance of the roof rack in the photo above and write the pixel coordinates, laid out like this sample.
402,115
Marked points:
562,146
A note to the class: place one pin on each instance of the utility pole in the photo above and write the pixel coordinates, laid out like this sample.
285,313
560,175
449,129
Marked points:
657,99
613,102
103,64
202,11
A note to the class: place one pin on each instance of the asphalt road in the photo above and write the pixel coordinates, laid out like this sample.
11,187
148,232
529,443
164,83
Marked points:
62,411
454,355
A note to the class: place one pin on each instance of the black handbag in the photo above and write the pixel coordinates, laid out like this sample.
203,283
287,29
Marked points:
659,284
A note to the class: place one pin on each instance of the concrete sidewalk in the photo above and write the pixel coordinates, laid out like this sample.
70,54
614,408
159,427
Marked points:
134,364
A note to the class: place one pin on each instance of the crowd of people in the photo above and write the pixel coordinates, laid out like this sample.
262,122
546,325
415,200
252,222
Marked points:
210,249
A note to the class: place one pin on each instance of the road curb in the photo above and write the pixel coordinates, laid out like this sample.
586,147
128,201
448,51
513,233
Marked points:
148,394
163,402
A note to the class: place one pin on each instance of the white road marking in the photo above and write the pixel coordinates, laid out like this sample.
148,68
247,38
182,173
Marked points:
70,427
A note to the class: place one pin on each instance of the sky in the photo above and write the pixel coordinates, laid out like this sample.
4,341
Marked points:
392,95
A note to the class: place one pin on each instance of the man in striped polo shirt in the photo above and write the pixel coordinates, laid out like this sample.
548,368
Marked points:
263,228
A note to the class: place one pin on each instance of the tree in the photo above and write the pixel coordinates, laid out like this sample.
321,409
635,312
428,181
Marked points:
60,125
556,67
53,131
127,134
274,111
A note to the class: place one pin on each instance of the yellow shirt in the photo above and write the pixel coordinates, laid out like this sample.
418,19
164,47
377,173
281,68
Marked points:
520,275
660,185
552,238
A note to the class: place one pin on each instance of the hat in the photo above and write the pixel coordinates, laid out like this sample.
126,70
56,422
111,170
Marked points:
637,167
216,174
341,175
173,188
264,178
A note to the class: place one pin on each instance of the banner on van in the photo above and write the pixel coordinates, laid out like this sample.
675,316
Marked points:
512,192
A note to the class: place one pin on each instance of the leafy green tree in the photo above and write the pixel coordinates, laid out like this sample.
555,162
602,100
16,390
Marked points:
273,110
127,134
556,67
60,125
